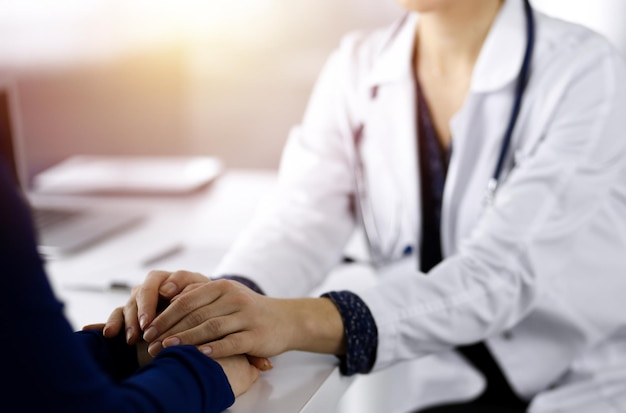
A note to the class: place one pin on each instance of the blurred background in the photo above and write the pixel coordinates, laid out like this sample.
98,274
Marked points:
226,78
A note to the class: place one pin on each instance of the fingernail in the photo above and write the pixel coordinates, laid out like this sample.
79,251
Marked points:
105,331
150,334
172,341
129,334
142,321
154,348
267,365
168,288
207,350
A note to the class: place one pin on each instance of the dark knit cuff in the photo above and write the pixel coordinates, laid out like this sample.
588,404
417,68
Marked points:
361,333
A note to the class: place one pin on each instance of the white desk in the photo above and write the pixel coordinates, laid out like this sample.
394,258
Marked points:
206,221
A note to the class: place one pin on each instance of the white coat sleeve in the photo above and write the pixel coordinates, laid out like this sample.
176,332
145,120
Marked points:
290,246
545,206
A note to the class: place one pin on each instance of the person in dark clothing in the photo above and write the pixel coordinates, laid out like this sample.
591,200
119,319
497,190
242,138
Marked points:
49,367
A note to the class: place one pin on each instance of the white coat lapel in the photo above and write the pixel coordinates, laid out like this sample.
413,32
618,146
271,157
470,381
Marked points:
478,128
389,146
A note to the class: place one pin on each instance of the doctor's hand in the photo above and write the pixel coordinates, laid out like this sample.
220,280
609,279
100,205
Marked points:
147,300
225,317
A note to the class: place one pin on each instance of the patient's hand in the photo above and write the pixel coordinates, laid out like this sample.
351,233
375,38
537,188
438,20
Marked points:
240,370
240,373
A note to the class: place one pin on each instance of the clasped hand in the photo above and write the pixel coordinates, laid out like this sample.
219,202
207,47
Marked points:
221,317
224,318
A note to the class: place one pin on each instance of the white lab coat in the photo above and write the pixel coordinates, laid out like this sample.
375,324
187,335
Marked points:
541,274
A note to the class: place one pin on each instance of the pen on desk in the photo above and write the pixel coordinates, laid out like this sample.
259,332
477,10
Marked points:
168,252
124,286
120,286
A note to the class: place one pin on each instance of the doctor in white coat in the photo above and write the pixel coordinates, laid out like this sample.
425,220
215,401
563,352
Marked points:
536,271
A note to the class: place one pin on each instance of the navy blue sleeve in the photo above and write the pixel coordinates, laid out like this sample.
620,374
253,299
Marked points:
113,356
361,332
50,367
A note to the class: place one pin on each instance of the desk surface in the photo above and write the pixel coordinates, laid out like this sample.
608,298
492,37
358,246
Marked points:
208,220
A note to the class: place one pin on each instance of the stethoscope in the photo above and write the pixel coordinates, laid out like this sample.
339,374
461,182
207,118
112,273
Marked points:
380,255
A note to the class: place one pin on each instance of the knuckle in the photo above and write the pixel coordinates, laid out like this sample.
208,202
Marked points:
235,346
158,274
182,303
196,318
129,307
192,287
180,274
199,277
224,285
188,277
242,299
215,327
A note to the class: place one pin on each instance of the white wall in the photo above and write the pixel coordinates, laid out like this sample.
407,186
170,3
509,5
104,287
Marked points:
221,77
607,17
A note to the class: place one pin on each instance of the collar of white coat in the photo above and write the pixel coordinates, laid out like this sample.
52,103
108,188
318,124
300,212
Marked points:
498,63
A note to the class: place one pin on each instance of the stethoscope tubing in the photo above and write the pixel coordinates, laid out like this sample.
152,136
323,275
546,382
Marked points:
364,209
522,81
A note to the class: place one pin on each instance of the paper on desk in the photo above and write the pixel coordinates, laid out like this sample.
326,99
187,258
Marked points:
128,174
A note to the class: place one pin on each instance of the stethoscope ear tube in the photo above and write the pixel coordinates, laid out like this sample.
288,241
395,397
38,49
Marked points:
520,87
